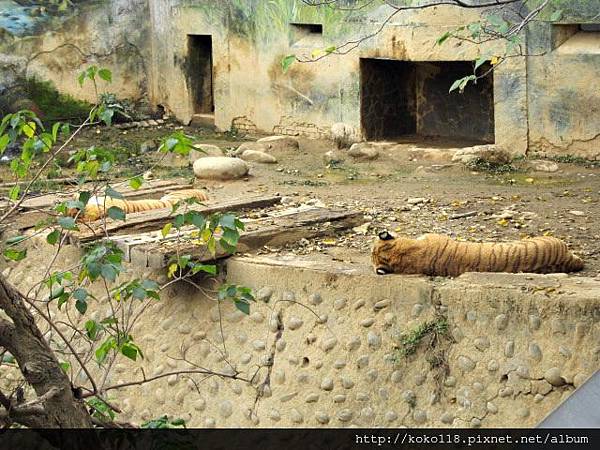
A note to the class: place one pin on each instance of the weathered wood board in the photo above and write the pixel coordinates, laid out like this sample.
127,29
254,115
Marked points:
150,250
155,219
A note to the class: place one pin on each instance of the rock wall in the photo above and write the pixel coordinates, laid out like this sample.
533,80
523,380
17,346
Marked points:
107,33
329,345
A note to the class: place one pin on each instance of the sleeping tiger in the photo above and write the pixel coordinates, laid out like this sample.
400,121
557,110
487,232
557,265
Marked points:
438,255
97,206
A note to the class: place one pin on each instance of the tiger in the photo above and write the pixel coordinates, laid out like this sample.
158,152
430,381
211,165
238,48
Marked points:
97,206
439,255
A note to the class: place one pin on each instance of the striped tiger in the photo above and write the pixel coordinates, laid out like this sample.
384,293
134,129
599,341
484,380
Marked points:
438,255
97,206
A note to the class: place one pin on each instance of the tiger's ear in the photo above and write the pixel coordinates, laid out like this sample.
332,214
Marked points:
385,236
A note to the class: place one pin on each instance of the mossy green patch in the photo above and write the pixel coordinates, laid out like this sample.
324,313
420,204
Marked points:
54,105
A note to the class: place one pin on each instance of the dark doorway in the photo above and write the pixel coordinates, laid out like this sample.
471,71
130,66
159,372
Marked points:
200,75
402,99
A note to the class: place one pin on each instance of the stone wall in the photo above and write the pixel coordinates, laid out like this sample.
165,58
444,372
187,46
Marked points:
328,345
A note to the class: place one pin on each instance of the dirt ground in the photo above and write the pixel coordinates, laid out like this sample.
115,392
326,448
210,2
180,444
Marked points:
397,193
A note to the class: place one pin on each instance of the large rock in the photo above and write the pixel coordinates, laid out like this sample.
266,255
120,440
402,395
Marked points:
220,168
259,157
490,153
277,143
440,155
364,151
256,146
204,150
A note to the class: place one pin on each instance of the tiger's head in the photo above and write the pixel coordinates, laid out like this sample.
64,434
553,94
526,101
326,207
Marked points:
392,254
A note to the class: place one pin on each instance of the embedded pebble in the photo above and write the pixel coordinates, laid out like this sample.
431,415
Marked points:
534,322
315,299
347,383
396,376
288,397
367,322
209,422
184,329
362,397
296,416
358,304
339,364
374,340
420,379
523,412
475,422
466,363
345,415
535,352
322,417
409,397
417,310
501,321
258,345
553,376
288,296
340,398
447,418
538,398
353,343
279,376
381,305
390,416
482,344
492,365
264,294
280,345
363,361
257,317
275,415
506,392
339,304
199,405
491,408
509,349
225,409
419,416
294,323
372,374
327,384
328,344
312,398
450,381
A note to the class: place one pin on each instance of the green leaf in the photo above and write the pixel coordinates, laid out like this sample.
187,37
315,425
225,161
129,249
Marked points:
15,255
109,272
58,292
92,328
110,192
116,213
136,182
166,229
67,223
81,306
102,351
106,75
242,306
80,294
65,366
53,237
4,141
81,78
208,268
287,61
14,192
443,38
480,61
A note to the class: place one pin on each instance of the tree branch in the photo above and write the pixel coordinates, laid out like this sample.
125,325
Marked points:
7,330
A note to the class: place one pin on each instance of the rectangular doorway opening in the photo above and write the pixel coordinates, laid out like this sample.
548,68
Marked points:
409,101
200,73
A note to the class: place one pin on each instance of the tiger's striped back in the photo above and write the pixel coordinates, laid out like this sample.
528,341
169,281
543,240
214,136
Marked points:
97,206
434,254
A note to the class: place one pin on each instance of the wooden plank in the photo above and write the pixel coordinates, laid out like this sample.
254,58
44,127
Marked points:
157,218
272,232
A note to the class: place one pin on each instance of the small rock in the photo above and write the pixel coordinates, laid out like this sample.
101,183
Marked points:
577,213
220,168
327,384
148,146
256,146
364,151
553,377
333,157
259,157
540,165
416,200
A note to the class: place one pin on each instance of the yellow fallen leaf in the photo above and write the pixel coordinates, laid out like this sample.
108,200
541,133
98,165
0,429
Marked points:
398,229
494,60
503,222
329,241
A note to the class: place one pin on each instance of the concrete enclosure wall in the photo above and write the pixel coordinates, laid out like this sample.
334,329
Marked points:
542,101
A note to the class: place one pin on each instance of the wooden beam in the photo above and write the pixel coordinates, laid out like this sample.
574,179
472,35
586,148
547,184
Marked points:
270,231
157,218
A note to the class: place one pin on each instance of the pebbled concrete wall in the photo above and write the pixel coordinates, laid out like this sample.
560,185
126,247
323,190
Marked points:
322,347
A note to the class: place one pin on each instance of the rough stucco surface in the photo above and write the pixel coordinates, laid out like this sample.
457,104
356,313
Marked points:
111,34
322,345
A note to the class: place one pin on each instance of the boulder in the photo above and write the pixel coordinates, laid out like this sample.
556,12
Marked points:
490,153
364,151
204,150
440,155
277,143
256,146
220,168
259,157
